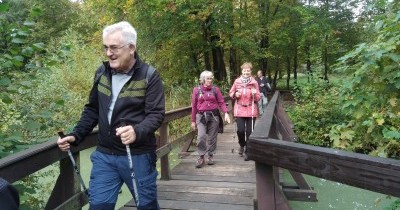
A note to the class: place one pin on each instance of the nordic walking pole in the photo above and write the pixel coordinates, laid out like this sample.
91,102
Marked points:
128,151
234,134
62,135
235,124
252,111
234,118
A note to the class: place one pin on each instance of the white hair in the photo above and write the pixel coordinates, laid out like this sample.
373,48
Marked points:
129,34
203,76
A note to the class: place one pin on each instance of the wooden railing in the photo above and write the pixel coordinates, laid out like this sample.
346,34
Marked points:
265,147
66,193
269,152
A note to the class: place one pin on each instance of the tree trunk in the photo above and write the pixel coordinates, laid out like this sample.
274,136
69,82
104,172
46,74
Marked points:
264,44
263,7
207,61
233,64
308,55
288,72
206,37
326,60
295,64
218,59
276,74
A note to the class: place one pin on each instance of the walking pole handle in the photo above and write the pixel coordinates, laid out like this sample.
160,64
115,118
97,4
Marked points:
62,135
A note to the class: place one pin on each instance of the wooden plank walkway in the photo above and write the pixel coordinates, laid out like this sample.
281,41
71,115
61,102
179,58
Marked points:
227,185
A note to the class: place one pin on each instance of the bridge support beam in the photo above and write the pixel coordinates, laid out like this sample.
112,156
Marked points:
269,189
165,172
67,184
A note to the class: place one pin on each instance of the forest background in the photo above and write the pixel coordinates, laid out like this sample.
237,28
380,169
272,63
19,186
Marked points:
340,59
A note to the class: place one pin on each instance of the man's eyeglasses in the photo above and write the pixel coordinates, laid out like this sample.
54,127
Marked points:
112,48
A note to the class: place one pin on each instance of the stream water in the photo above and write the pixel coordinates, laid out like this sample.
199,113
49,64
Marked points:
334,195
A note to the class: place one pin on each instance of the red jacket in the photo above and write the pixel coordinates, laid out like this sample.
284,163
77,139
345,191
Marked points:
246,104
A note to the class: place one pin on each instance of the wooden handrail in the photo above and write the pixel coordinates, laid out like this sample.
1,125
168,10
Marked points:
358,170
266,148
17,166
67,190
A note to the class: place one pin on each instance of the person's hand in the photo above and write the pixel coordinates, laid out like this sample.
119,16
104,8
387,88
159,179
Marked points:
193,125
127,134
237,94
253,91
227,118
65,143
262,85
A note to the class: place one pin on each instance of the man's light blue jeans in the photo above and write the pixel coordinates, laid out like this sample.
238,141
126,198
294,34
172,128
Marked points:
262,103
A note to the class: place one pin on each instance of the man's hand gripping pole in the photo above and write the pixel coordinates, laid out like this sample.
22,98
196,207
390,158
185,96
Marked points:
62,135
128,151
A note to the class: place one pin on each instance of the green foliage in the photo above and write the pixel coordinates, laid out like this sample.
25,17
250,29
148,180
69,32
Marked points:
371,94
34,196
72,78
50,22
395,205
360,112
16,51
315,111
18,71
28,106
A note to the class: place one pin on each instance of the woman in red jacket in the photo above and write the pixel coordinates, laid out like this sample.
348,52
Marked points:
246,93
206,99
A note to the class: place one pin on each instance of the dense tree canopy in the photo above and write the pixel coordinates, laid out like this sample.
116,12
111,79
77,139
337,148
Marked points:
182,38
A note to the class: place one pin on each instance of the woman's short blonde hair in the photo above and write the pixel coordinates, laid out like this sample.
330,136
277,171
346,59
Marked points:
203,76
248,65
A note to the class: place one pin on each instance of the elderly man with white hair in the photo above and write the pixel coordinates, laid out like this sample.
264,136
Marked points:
127,103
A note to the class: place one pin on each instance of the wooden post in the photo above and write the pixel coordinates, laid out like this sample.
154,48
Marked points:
67,183
165,172
265,187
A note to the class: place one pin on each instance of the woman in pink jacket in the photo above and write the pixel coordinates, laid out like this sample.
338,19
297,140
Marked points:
206,101
246,93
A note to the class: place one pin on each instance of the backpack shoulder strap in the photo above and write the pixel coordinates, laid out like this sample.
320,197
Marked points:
199,91
99,72
149,72
214,92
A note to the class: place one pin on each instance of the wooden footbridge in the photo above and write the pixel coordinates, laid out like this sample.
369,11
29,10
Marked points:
231,183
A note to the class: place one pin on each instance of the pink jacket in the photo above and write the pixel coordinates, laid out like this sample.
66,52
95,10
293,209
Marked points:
244,106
